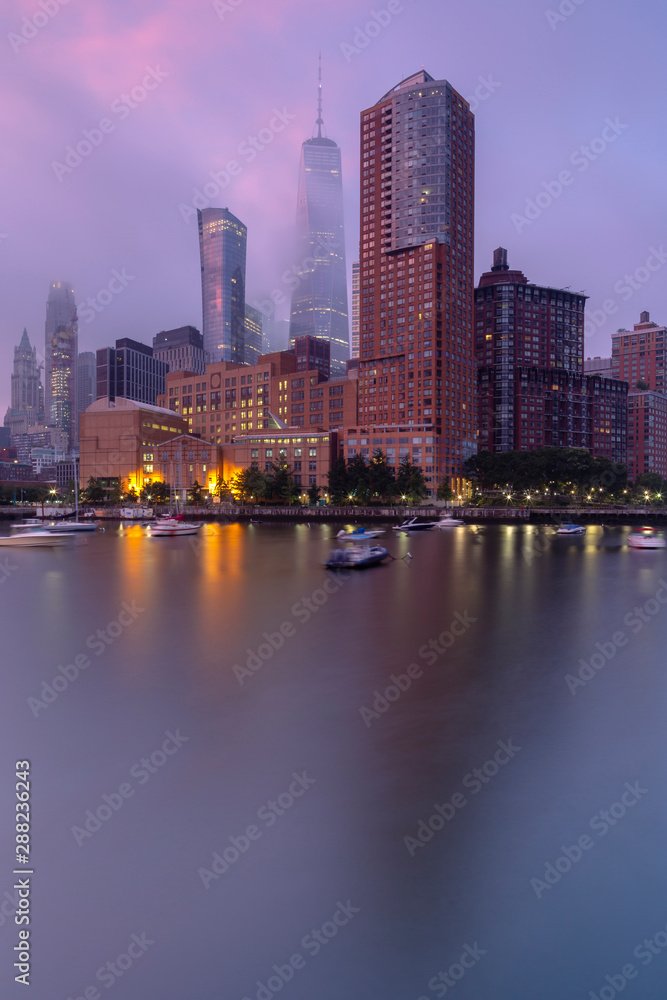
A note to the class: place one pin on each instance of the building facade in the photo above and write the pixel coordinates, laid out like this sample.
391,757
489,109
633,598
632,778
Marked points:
182,349
356,292
319,303
222,248
86,381
60,353
647,433
312,353
532,390
638,355
416,367
119,438
308,454
26,408
253,334
598,366
129,370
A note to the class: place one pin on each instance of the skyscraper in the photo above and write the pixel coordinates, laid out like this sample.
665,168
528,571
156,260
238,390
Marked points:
319,303
130,371
61,341
416,364
182,349
222,249
27,395
85,380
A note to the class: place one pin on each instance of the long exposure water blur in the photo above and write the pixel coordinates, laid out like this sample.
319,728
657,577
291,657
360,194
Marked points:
442,776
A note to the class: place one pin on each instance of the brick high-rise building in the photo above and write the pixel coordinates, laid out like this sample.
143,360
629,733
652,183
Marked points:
532,390
416,368
647,433
639,355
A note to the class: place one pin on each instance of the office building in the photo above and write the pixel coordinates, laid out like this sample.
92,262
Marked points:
222,248
182,349
598,366
61,349
130,371
253,335
26,408
416,362
532,390
312,353
86,380
638,355
319,303
647,433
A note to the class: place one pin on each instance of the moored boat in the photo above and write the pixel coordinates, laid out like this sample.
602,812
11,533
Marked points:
356,557
360,534
34,539
449,522
415,525
646,538
168,528
571,529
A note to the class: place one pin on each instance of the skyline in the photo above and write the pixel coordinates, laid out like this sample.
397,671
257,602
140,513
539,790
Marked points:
120,209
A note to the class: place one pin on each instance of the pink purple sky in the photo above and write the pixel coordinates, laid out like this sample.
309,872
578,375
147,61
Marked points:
222,70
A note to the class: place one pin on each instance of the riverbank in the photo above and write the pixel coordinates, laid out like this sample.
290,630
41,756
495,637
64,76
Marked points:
471,515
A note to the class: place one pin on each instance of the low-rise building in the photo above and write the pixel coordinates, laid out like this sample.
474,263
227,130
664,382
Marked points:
119,439
309,454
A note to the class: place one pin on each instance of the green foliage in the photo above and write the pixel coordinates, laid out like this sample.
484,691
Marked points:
281,487
313,494
339,482
559,470
156,493
196,493
410,482
444,491
222,490
93,491
250,482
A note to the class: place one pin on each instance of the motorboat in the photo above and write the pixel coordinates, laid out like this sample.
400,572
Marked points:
29,524
356,557
68,526
171,528
447,521
360,534
415,525
646,538
571,529
36,537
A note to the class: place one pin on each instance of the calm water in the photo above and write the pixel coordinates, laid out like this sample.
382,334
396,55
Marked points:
527,608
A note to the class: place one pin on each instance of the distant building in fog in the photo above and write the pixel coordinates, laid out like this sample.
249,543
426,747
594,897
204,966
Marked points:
182,349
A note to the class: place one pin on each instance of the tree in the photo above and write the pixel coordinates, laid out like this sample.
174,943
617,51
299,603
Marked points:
357,475
93,491
250,482
130,495
196,493
339,483
222,490
642,384
410,481
115,495
381,479
313,494
157,492
281,486
444,491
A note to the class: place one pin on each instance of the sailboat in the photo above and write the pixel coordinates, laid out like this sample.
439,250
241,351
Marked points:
76,524
173,524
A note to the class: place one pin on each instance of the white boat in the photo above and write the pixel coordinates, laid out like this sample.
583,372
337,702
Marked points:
415,525
646,538
449,522
29,524
171,528
356,557
360,534
32,539
571,529
69,526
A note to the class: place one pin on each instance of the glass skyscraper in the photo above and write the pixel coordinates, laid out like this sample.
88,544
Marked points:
222,248
319,304
61,342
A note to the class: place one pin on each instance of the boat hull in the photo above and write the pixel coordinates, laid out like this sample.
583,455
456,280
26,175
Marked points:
35,539
173,530
356,558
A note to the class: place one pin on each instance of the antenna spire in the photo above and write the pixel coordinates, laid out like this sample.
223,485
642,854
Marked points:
320,119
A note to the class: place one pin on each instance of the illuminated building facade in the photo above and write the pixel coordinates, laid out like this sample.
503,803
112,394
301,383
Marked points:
319,303
182,349
638,355
416,363
253,334
355,310
647,433
61,350
130,370
222,248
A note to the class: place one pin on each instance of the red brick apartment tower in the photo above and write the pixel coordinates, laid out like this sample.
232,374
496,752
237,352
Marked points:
416,364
